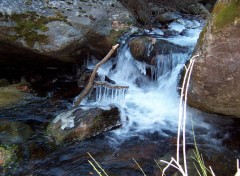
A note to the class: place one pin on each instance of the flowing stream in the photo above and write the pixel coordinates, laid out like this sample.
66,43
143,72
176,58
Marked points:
149,109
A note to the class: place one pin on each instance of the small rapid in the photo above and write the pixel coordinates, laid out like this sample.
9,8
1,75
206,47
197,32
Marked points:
150,104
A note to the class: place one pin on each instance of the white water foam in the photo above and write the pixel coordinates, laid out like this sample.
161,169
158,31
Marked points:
151,102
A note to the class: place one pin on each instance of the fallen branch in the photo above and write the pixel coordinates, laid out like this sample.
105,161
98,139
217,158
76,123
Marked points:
90,84
108,85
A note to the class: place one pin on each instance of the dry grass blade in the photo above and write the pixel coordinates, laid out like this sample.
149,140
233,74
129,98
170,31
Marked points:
98,165
159,167
238,169
198,158
98,172
139,167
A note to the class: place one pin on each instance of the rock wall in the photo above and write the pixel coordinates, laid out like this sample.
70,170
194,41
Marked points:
215,84
155,11
59,30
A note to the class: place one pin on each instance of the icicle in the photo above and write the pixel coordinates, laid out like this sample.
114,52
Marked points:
108,95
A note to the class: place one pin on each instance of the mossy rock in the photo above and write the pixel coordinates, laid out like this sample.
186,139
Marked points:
13,94
225,14
29,24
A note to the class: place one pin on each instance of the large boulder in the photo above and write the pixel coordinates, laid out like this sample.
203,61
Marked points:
215,85
81,124
49,31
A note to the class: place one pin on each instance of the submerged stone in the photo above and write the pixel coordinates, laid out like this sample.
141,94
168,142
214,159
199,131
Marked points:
12,132
11,95
80,124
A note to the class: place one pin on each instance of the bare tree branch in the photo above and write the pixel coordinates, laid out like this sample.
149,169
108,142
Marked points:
90,84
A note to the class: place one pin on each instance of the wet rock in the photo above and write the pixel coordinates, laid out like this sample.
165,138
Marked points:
168,17
209,4
4,82
215,85
14,132
59,30
84,77
81,124
146,49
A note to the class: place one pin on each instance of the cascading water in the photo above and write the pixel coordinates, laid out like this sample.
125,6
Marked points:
151,101
149,104
148,98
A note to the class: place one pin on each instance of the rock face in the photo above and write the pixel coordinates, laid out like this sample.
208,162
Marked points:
59,30
149,12
81,124
215,84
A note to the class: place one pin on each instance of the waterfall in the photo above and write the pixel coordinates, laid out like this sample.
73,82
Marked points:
151,100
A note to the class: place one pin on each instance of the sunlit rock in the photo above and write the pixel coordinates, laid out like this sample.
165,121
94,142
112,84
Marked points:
215,84
79,124
58,30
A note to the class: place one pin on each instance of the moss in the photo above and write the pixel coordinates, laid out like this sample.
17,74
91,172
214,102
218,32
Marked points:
28,25
202,36
10,95
7,155
28,2
114,35
225,14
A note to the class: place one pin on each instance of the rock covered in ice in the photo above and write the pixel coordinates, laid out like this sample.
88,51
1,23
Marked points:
145,49
81,124
157,32
176,27
192,24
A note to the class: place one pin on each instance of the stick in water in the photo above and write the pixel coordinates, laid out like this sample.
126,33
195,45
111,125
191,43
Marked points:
90,84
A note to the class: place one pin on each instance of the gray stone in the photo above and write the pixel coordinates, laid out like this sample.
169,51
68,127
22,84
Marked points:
59,30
